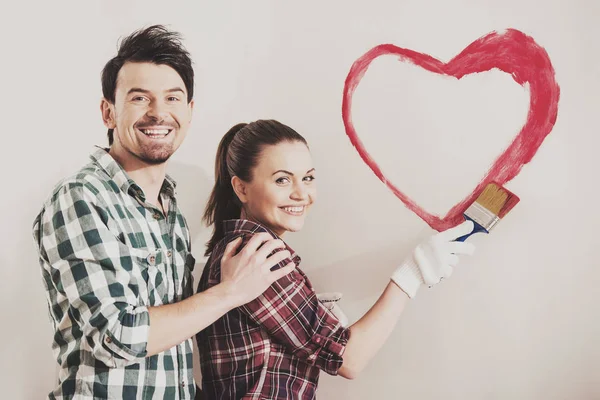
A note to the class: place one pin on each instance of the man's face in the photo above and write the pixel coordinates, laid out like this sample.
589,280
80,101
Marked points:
151,115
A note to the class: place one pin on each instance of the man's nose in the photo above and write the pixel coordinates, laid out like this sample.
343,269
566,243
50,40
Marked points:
157,111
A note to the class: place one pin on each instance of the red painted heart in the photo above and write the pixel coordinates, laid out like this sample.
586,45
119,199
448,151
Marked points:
512,52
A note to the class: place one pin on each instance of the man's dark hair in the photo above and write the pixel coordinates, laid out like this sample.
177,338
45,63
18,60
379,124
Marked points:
154,44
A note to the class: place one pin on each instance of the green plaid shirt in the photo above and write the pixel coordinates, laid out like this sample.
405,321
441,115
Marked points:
106,256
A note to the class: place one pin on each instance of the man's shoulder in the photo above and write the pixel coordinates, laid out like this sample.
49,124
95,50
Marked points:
84,184
88,180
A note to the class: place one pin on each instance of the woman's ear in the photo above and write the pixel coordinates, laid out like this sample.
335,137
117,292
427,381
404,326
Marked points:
239,187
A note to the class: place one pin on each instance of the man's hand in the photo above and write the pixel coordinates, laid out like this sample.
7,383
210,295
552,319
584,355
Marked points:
248,274
243,278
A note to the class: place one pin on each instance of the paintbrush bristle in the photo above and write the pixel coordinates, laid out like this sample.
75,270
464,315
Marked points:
511,201
497,199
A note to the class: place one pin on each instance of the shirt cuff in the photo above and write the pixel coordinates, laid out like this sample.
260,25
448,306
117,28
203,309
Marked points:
326,351
127,340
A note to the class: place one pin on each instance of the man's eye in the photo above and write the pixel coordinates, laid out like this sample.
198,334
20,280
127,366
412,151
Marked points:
139,98
173,98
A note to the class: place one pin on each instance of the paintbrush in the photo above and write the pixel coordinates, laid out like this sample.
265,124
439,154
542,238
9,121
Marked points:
491,206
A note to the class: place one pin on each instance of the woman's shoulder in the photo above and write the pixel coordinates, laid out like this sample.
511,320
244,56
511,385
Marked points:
234,228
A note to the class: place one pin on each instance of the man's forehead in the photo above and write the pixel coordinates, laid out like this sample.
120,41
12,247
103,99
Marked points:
148,76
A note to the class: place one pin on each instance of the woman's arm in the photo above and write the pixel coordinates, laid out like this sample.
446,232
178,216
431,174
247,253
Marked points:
370,332
431,261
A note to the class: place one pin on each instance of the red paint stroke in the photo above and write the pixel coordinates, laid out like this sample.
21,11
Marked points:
512,52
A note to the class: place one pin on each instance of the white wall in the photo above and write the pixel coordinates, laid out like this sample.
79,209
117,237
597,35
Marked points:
519,320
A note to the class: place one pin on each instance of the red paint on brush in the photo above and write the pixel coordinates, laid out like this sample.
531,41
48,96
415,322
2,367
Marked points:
512,52
511,202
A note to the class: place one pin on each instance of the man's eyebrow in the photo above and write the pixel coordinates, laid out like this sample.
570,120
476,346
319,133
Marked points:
176,89
140,90
137,89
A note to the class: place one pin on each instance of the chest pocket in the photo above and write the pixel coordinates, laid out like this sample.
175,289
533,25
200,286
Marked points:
153,280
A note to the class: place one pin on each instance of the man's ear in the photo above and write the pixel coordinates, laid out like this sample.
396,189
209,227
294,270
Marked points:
239,187
108,114
191,105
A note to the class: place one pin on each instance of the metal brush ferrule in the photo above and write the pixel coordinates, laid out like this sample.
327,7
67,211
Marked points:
482,216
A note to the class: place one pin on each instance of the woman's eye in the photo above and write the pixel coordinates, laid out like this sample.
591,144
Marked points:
309,178
282,180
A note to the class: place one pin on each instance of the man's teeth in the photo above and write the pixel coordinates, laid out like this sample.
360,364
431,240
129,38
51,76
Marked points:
155,131
294,209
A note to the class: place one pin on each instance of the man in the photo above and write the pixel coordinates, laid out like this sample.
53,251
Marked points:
115,249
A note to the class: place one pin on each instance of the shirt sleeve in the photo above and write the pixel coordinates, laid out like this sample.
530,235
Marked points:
94,273
291,313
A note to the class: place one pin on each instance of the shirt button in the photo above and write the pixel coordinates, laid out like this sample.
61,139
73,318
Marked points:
151,259
182,384
156,216
107,339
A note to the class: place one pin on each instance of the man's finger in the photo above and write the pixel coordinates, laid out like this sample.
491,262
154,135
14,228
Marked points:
456,232
256,241
269,247
275,259
231,248
281,272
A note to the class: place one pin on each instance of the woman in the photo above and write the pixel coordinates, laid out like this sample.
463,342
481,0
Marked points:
275,346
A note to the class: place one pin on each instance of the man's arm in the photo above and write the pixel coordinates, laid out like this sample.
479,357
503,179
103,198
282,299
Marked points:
243,278
95,273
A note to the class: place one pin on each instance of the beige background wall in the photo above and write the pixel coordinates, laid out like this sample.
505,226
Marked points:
518,320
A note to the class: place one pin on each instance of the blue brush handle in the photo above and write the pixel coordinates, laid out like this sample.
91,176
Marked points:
478,228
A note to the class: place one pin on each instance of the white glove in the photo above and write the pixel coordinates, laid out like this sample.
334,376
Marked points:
329,300
433,260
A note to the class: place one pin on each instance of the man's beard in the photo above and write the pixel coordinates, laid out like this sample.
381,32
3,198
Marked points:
154,155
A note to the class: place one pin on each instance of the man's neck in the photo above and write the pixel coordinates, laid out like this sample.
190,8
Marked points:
149,177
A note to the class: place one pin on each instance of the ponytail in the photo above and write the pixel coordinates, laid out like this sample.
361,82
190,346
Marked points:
223,203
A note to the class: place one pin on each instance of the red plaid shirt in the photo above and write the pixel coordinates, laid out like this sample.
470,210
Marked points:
274,346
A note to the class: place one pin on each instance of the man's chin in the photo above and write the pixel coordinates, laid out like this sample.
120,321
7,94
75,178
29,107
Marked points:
154,157
155,160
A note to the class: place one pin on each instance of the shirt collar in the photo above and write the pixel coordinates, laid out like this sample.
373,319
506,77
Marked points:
238,227
108,164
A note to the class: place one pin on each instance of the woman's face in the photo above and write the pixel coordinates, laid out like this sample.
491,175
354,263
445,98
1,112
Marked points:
282,188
